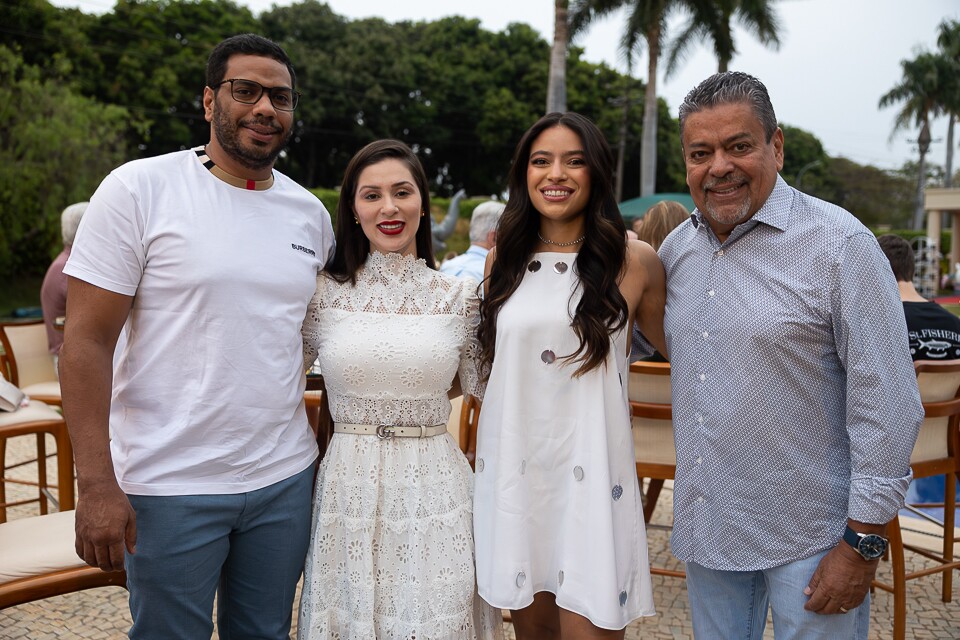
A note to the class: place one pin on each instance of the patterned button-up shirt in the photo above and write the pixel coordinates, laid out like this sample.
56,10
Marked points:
795,404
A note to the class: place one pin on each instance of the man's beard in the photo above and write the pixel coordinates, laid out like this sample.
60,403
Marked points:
250,156
730,218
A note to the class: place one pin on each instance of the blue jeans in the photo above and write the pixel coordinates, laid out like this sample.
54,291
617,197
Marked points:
732,605
250,546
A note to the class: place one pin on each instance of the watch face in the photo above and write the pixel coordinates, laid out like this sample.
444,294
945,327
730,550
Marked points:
872,546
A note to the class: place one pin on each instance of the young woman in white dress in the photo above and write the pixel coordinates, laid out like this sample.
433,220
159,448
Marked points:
391,553
558,520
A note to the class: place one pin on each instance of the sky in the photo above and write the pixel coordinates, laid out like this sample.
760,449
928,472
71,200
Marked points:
837,58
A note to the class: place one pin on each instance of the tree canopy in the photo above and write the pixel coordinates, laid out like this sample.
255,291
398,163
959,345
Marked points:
84,93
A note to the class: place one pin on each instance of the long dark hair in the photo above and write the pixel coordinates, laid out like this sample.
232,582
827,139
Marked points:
602,308
353,247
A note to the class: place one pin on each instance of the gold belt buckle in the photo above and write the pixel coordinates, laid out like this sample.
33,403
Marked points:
384,431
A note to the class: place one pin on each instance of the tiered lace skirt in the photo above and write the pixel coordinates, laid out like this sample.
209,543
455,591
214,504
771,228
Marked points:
391,553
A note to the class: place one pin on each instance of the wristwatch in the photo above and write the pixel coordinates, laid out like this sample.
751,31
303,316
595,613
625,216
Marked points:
869,545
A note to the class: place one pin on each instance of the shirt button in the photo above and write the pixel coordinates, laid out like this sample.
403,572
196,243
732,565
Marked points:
699,498
712,293
699,460
700,418
706,335
702,377
719,253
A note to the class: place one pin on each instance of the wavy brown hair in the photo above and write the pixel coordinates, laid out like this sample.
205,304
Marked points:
599,263
660,220
353,246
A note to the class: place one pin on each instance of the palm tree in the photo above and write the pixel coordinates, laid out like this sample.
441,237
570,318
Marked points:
949,42
919,91
756,16
557,80
646,23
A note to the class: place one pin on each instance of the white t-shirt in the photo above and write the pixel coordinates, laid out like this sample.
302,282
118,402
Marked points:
208,391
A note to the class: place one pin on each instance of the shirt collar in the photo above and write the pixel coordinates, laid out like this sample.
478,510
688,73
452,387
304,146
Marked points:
478,250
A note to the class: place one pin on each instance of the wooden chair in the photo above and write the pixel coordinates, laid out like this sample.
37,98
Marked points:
38,560
652,408
318,411
469,420
937,452
37,419
29,361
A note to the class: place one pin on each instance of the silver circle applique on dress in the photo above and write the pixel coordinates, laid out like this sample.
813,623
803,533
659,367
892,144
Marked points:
521,578
548,356
623,598
560,267
617,491
533,266
560,578
578,473
479,465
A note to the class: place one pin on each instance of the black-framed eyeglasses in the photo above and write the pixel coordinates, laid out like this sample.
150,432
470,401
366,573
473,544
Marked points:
250,92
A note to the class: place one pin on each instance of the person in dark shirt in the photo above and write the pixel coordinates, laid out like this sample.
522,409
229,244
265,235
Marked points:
934,332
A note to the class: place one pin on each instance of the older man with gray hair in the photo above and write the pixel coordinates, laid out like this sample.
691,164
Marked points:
483,237
795,404
53,291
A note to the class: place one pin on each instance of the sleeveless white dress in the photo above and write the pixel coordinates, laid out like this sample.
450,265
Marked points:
557,505
391,553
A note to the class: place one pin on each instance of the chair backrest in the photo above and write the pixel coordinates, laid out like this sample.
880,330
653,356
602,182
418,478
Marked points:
939,383
651,405
469,420
27,352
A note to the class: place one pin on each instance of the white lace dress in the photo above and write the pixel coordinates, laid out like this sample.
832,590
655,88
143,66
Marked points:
391,553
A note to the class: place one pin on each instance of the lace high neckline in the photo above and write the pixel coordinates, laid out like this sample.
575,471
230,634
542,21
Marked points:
392,266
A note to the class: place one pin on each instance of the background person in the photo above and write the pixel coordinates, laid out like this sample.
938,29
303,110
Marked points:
660,219
194,457
483,237
933,332
795,405
557,512
391,553
53,291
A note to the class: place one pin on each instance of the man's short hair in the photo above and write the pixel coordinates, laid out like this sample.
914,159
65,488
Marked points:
484,219
731,87
249,44
70,221
900,254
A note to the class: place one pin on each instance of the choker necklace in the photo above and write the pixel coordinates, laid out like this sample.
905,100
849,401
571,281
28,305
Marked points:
243,183
561,244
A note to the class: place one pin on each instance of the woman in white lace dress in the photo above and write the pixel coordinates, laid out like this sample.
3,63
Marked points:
391,553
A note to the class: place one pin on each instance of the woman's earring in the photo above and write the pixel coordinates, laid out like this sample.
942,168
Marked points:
356,220
422,213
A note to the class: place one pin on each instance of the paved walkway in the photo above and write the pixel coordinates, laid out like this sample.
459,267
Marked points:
102,614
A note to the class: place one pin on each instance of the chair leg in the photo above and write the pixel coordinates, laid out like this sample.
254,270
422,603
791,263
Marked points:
899,581
653,493
3,479
42,473
949,517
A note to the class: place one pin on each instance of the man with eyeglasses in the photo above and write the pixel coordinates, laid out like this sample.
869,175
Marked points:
194,457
